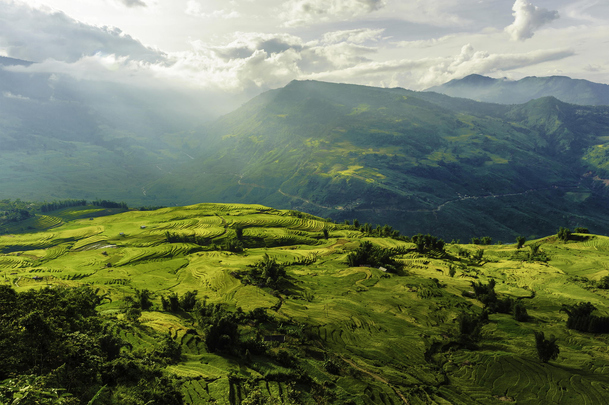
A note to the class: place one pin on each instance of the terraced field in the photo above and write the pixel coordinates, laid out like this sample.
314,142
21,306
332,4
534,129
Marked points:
352,334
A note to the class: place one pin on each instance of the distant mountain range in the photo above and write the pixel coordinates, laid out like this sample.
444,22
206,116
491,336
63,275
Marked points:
422,162
503,91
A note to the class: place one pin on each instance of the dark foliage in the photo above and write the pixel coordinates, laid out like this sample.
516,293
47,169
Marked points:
427,243
172,237
547,349
371,255
581,318
564,234
109,204
56,337
56,205
267,271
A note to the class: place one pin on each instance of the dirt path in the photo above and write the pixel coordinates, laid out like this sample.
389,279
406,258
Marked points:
397,191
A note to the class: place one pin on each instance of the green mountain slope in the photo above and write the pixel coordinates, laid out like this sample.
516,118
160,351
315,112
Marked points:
343,334
421,161
482,88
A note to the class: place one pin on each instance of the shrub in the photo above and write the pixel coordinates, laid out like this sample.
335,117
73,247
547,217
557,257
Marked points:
547,349
564,234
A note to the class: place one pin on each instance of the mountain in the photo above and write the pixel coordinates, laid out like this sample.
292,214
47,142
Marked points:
422,162
246,304
503,91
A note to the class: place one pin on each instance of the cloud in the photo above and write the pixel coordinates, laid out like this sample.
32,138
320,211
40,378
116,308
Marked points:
8,94
38,34
308,12
470,61
133,3
195,9
426,72
527,19
356,36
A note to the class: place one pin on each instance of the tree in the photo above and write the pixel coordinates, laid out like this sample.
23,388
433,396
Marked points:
425,243
486,240
564,234
535,252
520,312
142,299
547,349
520,241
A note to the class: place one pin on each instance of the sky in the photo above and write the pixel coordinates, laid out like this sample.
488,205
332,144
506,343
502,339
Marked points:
232,50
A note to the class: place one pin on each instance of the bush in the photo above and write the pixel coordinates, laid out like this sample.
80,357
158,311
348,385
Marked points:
564,234
520,312
547,349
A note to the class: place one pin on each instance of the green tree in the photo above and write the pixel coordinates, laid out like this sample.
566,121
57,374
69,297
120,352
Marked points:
564,234
520,312
486,240
143,299
520,241
547,349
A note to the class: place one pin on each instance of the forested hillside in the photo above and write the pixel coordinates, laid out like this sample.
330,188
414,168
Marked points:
423,162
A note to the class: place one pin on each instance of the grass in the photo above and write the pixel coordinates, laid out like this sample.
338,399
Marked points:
376,326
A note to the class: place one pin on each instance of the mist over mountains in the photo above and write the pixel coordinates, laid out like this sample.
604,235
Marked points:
503,91
419,161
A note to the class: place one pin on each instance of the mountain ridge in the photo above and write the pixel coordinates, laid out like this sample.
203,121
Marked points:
349,151
503,91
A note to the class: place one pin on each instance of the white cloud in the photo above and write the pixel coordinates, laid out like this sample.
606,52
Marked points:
133,3
527,19
194,8
307,12
35,34
8,94
426,72
356,36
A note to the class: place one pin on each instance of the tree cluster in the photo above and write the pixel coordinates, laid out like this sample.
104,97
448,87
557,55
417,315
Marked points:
485,293
375,256
267,271
581,318
485,240
427,243
109,204
54,346
56,205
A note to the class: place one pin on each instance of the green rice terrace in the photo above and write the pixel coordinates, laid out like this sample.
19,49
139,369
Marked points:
245,304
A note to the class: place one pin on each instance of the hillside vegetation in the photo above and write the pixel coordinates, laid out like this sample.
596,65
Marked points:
423,162
246,304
